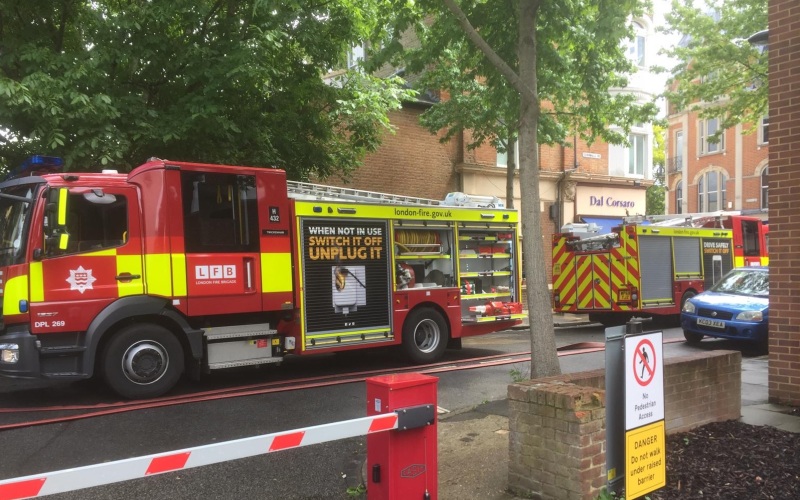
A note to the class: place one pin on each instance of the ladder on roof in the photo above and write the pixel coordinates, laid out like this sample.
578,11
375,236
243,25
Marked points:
687,220
307,191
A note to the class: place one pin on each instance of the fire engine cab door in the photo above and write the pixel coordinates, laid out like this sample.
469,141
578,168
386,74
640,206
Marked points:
102,260
748,243
220,220
594,281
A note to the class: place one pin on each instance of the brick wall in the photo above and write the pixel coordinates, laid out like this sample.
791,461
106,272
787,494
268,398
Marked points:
557,446
784,202
702,388
410,162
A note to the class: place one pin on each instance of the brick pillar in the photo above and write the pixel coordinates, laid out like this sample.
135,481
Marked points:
556,440
784,205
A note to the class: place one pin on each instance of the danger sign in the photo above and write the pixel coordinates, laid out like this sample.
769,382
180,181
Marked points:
645,467
644,380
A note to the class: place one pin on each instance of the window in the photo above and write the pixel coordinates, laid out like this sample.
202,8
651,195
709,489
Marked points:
637,152
711,192
219,213
502,158
355,56
637,46
763,131
710,77
96,220
707,130
14,222
764,189
679,197
678,152
750,245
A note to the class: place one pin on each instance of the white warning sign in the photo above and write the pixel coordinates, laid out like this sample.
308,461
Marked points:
644,379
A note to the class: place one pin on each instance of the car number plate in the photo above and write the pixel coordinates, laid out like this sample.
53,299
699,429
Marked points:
714,323
624,295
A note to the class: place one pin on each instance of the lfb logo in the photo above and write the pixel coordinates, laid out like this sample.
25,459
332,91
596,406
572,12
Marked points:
412,470
80,279
220,272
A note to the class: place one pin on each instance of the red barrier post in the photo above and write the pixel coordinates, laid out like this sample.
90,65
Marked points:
403,464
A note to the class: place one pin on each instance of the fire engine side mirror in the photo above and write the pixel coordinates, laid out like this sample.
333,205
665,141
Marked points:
55,225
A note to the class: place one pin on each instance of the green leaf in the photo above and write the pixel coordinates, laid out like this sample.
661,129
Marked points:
718,72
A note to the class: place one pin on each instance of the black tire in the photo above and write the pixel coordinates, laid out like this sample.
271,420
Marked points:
692,338
762,346
454,344
425,335
598,318
142,361
609,319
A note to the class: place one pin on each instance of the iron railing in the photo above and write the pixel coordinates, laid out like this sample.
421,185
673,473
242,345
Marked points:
674,164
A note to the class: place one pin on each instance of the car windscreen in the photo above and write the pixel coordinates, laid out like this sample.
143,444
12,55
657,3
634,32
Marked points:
744,282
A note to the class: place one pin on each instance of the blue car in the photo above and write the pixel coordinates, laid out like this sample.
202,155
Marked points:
737,308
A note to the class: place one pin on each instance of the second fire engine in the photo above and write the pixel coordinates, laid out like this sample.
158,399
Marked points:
651,266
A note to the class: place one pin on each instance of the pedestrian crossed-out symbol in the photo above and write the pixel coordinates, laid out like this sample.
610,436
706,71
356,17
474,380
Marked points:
644,362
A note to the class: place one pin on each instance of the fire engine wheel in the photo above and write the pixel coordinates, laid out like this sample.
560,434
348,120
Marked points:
425,335
142,361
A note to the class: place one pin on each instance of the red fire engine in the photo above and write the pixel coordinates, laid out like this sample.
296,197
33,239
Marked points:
651,265
185,267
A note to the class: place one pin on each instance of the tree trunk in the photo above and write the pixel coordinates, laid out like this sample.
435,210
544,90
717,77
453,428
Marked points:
544,357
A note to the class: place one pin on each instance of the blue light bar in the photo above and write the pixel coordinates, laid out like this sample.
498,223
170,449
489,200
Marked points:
44,161
36,165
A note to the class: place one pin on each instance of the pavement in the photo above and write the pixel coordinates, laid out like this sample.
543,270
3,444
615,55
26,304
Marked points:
473,444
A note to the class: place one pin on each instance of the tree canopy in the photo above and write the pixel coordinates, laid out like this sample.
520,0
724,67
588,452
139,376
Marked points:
580,57
719,73
548,66
112,82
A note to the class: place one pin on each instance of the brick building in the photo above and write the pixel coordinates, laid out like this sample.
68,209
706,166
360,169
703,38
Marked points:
784,188
706,176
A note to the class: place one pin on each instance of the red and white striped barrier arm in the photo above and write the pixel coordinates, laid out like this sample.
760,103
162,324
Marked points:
134,468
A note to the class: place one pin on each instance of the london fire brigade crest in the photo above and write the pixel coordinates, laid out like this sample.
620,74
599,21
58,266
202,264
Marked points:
81,279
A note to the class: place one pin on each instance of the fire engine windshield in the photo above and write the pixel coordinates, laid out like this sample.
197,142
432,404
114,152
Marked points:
15,210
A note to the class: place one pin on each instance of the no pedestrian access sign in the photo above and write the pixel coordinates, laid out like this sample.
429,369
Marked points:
644,380
645,447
